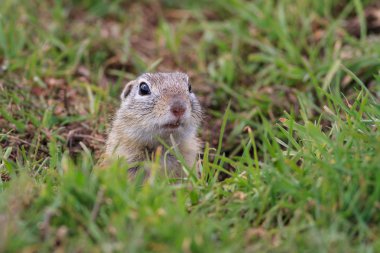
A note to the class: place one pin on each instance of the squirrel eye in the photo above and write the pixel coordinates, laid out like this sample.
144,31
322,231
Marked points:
189,87
144,89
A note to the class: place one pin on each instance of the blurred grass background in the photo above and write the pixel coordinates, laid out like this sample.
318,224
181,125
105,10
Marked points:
297,149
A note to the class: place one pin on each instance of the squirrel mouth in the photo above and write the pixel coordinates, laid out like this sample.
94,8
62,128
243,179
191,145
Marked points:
173,125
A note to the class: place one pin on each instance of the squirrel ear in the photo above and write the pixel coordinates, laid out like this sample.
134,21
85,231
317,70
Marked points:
127,89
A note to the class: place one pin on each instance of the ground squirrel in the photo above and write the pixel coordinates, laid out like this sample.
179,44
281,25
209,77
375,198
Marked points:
156,106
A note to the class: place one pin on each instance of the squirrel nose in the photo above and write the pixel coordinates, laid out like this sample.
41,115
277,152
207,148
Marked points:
178,108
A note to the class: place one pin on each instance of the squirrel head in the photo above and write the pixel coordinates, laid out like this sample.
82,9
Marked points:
159,105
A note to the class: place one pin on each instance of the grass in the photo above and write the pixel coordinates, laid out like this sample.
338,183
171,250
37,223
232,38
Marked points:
297,146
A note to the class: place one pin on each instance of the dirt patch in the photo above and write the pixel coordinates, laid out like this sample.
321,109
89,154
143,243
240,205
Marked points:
372,19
